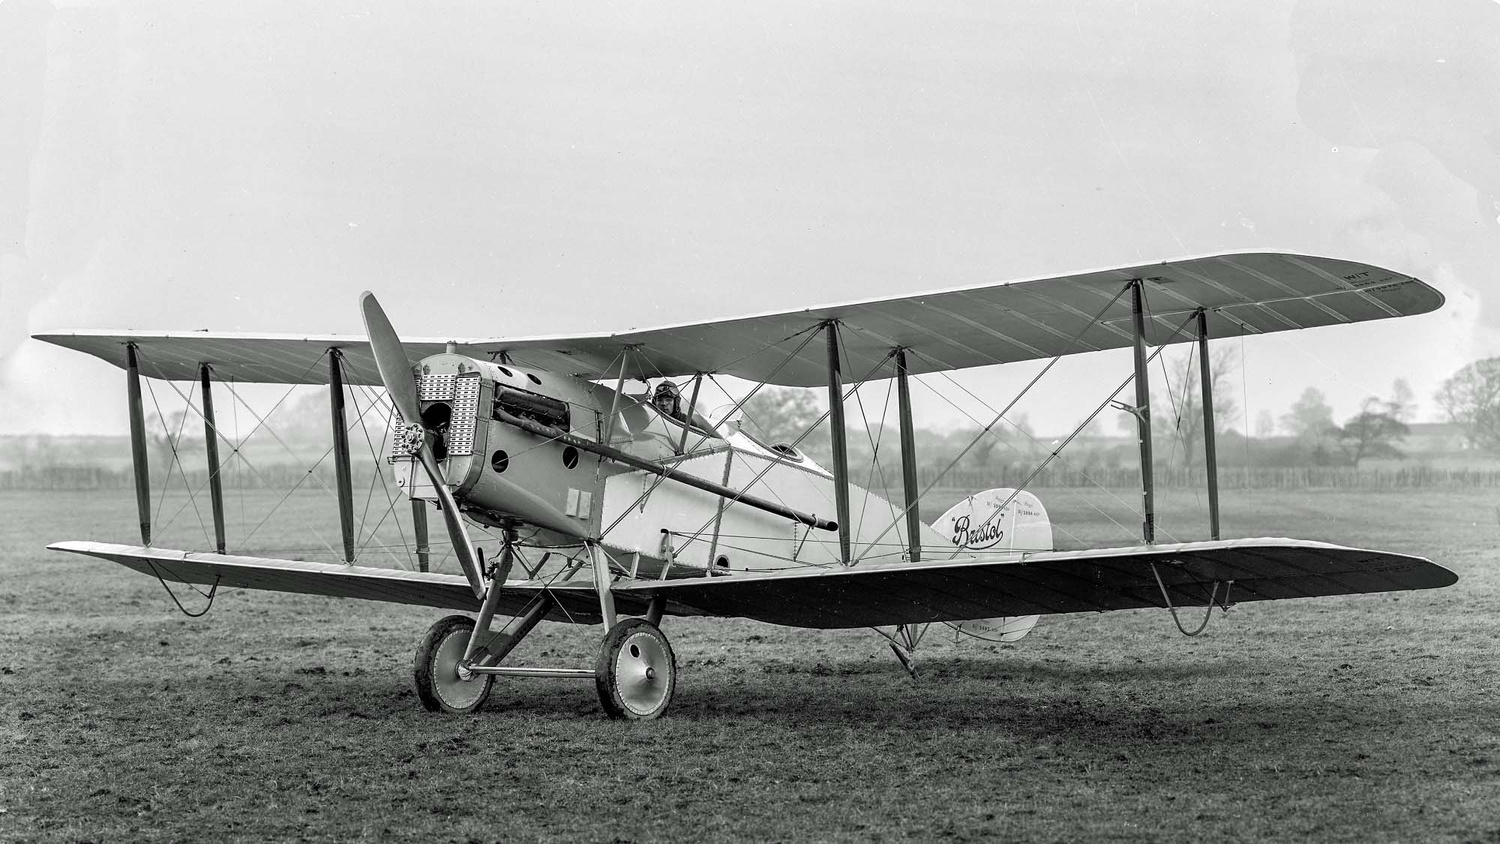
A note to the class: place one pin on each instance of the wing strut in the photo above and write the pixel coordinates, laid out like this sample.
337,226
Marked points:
342,472
691,407
1210,456
614,405
840,448
211,445
138,456
1143,409
419,527
908,462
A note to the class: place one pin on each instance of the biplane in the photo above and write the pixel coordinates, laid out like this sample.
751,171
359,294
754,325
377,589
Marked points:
642,507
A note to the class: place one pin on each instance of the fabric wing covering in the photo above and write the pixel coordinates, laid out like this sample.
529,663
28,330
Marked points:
1048,582
1241,293
430,589
1055,582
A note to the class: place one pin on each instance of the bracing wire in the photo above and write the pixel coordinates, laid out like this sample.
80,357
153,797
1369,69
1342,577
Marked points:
1001,414
177,463
1079,429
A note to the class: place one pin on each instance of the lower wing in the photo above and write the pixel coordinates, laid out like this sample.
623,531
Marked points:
1051,582
1039,583
575,602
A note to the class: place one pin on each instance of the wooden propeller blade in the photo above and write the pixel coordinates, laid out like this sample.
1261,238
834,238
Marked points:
457,532
395,374
391,360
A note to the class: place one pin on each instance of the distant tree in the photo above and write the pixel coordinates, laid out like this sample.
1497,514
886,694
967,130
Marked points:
1471,398
35,451
304,417
172,434
1183,409
781,414
1265,425
1403,402
1310,419
1373,432
1010,437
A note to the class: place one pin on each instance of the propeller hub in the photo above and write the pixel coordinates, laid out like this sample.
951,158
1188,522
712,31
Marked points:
409,439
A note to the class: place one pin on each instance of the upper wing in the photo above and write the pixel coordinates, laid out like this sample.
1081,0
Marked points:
1242,293
1051,582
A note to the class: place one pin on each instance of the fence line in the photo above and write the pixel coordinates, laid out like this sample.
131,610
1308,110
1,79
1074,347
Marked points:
279,477
284,477
1230,477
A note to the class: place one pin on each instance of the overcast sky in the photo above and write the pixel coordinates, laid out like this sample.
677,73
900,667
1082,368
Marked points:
508,169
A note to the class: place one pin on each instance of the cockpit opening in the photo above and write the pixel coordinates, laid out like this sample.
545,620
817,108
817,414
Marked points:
667,401
787,450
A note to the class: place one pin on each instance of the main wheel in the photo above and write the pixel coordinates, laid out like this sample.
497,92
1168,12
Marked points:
435,669
637,671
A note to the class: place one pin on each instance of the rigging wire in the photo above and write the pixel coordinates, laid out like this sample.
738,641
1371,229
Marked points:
239,473
263,423
773,463
177,462
1001,414
1245,397
650,488
378,476
875,442
1079,429
1085,499
235,410
1035,441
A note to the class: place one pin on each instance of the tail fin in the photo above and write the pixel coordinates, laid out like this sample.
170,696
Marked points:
997,520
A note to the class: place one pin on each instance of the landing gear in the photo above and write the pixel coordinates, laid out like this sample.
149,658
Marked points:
460,657
440,685
637,671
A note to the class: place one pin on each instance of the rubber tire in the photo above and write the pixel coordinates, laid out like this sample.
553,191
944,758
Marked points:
426,672
605,679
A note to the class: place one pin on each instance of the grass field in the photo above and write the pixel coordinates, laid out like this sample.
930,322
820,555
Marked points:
281,716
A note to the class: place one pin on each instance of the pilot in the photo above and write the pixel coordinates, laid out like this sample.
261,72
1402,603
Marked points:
667,401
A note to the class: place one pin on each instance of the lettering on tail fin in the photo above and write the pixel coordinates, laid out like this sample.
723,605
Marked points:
987,535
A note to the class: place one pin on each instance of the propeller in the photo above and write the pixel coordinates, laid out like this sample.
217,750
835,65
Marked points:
395,374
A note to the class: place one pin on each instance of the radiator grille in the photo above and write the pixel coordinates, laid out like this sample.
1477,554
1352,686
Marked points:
460,391
465,412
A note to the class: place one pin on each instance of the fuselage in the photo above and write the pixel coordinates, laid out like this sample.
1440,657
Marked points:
504,469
